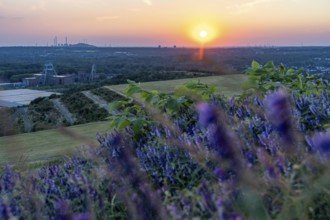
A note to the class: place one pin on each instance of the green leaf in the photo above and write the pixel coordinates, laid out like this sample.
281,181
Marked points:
154,99
172,104
301,86
255,65
192,84
261,72
326,126
123,123
145,94
116,105
250,84
131,82
291,70
132,89
212,89
251,205
138,124
268,87
282,69
269,65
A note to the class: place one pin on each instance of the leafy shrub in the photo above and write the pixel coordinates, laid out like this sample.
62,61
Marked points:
107,94
43,114
269,77
83,109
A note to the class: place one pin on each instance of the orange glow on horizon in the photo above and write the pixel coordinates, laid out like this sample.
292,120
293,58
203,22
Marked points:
166,23
204,32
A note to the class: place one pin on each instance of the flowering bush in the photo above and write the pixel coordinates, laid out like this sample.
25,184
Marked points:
262,156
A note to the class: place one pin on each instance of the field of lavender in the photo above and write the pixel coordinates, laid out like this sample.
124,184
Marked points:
194,154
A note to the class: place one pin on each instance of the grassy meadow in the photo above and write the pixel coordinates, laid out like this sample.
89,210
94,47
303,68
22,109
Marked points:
49,144
228,85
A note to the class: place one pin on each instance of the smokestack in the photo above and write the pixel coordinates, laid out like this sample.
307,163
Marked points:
55,41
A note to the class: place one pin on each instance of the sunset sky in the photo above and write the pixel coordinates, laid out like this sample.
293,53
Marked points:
165,22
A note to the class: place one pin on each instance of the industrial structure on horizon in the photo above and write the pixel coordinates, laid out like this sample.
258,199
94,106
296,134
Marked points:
67,44
49,76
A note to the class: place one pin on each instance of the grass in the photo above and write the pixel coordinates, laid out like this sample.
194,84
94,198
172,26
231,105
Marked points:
228,85
49,144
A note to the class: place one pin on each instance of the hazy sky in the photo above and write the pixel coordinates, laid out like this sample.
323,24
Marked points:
165,22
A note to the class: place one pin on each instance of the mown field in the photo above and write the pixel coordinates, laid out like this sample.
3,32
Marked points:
49,144
228,85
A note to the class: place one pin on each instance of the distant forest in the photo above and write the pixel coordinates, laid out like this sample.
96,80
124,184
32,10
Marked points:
19,62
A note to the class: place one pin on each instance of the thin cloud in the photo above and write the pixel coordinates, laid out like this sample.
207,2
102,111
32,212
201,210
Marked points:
11,18
134,9
17,18
147,2
39,7
246,6
106,18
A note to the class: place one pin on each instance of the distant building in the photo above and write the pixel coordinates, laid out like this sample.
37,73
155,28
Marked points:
38,79
50,77
31,81
62,80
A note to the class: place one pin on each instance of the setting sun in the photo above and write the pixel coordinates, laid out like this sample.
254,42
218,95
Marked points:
203,34
207,32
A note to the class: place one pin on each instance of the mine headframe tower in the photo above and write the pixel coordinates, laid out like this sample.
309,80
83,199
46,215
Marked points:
48,70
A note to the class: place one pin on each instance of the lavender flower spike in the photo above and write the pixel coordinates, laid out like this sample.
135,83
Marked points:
320,143
279,114
207,114
218,136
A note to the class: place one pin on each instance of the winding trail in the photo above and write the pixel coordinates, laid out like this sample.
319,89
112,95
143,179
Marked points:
115,91
97,100
27,122
65,112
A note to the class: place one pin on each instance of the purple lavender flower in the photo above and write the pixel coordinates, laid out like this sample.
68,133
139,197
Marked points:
207,114
8,179
320,142
5,213
84,216
64,210
207,197
220,174
220,139
279,114
265,160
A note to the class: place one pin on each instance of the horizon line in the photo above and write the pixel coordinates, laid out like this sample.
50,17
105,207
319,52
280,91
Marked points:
90,46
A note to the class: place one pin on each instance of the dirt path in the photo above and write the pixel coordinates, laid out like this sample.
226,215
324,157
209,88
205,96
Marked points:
65,112
97,100
116,91
27,122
